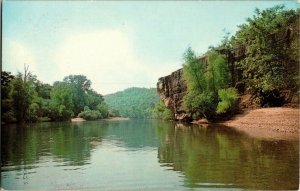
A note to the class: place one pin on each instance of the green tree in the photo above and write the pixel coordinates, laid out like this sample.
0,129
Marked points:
217,73
228,98
161,112
80,86
133,102
103,109
93,99
7,114
61,101
89,114
23,94
43,90
203,84
194,72
272,53
6,78
114,113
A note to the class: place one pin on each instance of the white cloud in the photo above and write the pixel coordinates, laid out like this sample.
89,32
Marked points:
15,55
108,59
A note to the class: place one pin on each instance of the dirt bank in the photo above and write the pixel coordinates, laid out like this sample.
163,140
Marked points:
268,122
117,118
77,119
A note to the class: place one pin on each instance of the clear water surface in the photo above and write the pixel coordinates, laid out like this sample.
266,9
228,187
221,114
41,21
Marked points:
143,155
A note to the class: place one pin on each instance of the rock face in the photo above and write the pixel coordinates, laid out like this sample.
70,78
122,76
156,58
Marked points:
171,90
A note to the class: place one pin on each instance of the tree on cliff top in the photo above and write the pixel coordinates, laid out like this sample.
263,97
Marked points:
272,53
193,72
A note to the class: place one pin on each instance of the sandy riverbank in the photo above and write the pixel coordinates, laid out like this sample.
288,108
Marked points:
117,118
268,122
79,119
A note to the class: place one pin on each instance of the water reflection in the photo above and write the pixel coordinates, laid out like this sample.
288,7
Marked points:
68,143
134,134
222,157
144,153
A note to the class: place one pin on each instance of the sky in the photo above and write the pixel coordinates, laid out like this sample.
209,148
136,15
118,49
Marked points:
116,44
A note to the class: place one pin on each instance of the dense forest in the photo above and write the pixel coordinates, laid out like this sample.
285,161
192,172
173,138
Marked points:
268,69
26,99
133,102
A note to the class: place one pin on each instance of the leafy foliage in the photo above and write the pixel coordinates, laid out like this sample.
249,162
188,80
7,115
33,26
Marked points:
94,99
217,74
272,52
26,99
203,84
22,94
7,114
161,112
6,78
228,98
103,109
201,104
269,67
62,103
133,102
79,85
89,114
194,72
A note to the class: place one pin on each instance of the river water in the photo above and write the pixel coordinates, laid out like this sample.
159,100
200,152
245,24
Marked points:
143,155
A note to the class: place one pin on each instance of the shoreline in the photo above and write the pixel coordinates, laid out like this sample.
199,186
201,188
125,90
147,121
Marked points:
79,119
277,122
117,118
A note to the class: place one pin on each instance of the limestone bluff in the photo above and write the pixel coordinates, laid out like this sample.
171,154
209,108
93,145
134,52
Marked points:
173,88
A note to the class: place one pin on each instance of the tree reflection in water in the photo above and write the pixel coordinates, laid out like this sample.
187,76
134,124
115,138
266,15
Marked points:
69,143
203,157
222,157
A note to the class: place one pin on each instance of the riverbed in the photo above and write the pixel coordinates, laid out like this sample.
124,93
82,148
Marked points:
143,155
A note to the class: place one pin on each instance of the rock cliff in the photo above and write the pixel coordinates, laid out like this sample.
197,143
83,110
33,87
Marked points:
171,90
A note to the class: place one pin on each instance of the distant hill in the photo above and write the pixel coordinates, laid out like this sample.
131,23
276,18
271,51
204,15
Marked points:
133,102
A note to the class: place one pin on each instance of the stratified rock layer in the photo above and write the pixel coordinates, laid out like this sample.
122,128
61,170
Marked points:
171,90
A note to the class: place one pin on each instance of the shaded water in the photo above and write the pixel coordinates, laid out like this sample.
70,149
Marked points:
143,154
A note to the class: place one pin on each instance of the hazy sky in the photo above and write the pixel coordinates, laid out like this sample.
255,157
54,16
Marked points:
115,44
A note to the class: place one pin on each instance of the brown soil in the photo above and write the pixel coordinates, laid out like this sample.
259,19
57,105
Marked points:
268,122
117,118
77,119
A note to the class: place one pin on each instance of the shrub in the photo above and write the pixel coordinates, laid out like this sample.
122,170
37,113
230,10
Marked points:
103,109
59,113
161,112
32,114
88,114
201,104
207,95
228,98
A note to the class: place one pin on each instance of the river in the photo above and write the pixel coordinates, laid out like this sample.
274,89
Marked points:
143,155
